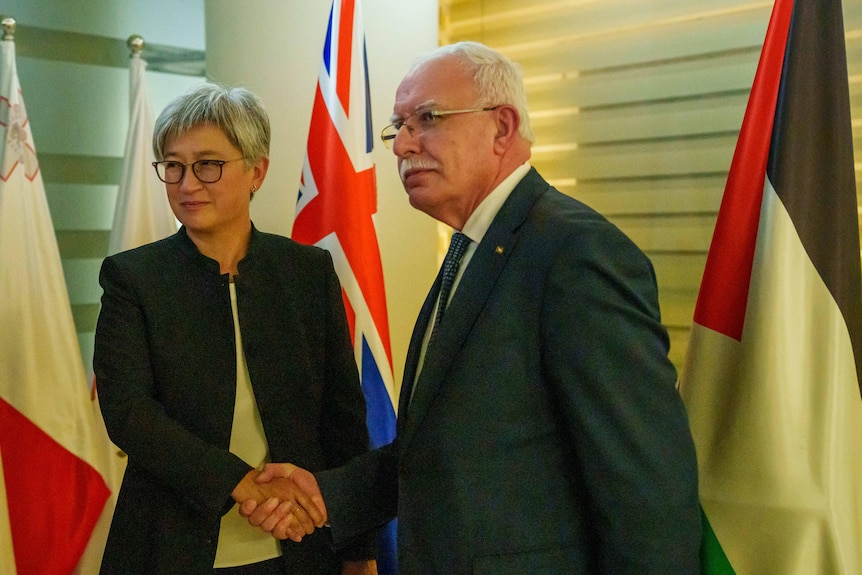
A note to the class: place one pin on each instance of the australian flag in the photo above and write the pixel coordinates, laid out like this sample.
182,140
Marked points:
335,210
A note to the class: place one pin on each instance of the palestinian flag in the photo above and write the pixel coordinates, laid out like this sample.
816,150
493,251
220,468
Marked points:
772,376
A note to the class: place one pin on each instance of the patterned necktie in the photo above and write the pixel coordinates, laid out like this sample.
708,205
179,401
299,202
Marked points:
450,269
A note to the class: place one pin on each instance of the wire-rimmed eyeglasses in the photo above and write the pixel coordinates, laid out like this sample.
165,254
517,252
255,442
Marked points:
207,171
423,121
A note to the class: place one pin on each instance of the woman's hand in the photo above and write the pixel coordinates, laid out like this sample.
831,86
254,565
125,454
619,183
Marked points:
290,517
280,505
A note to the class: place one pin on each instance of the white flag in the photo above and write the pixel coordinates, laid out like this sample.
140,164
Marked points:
143,214
51,444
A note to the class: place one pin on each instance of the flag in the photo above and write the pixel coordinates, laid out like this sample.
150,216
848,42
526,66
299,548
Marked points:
51,490
142,213
772,375
335,210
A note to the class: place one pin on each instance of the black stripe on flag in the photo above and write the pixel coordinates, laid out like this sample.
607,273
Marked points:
811,155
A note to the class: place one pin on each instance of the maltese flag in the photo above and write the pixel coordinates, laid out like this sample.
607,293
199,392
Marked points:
52,447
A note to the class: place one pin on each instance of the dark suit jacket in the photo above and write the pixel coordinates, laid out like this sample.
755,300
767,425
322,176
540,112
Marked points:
165,363
545,435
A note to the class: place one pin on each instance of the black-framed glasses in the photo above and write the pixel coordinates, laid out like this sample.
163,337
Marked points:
423,121
207,171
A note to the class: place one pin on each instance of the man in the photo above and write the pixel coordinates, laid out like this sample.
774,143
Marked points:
539,429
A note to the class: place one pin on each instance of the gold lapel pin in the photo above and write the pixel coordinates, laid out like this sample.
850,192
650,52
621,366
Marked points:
499,250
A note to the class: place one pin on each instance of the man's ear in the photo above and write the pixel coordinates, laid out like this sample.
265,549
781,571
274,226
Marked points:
508,123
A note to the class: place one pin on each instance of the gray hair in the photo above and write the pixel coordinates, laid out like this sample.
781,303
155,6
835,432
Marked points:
237,111
497,79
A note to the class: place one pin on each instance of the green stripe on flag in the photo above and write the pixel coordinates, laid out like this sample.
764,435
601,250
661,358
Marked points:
713,561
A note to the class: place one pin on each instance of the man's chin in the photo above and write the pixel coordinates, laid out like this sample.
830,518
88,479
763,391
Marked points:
418,196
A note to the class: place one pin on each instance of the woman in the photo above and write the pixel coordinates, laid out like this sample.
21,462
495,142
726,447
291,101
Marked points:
217,350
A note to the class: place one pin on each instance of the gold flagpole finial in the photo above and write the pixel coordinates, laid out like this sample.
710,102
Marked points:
135,44
8,28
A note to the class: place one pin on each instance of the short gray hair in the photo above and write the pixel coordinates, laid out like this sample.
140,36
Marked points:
497,79
237,111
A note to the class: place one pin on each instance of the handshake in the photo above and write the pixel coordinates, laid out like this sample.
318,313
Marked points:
282,499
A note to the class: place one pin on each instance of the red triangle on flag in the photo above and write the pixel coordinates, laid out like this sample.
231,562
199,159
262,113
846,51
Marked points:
54,497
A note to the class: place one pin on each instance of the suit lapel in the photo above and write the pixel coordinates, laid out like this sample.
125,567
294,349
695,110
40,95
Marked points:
414,350
473,291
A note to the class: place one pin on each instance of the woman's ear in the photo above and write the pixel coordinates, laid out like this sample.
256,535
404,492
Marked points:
260,168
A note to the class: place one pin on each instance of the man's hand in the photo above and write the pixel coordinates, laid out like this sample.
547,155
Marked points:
293,513
280,517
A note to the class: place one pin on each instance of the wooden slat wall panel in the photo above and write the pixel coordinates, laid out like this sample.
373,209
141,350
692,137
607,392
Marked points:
696,194
679,234
720,113
83,244
668,158
637,107
567,41
79,206
662,82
